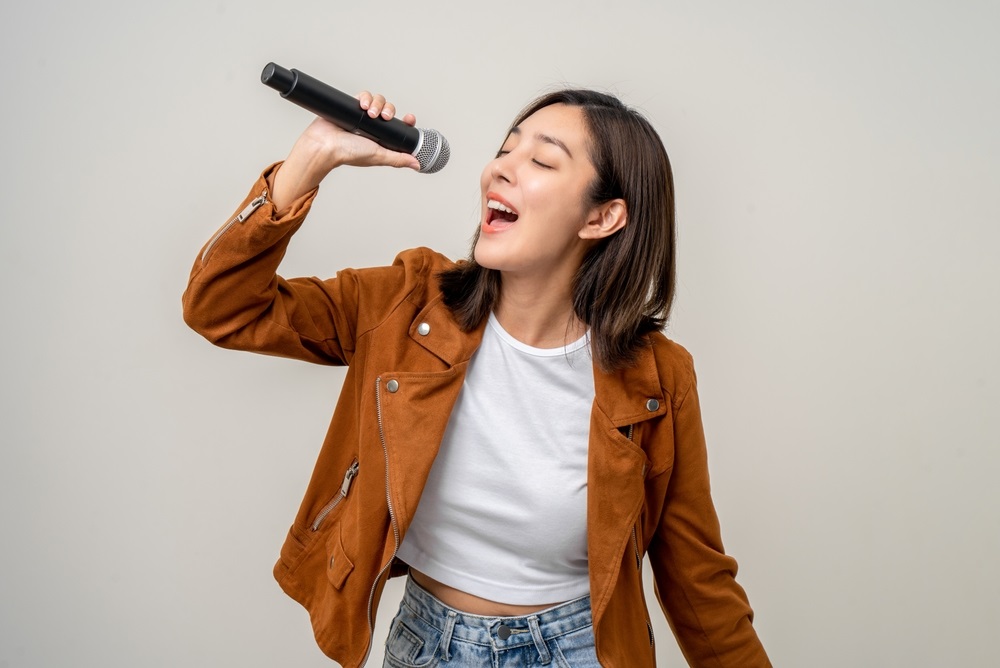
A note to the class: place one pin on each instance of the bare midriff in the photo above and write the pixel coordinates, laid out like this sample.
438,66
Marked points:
474,605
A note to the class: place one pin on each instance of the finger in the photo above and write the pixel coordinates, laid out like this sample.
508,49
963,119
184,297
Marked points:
375,108
410,161
365,99
388,111
410,119
393,159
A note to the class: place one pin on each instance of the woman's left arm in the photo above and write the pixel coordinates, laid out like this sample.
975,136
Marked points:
695,579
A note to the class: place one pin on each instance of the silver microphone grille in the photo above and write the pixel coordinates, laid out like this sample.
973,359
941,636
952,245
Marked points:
432,152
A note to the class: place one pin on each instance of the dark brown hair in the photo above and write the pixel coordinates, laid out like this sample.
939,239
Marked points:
625,285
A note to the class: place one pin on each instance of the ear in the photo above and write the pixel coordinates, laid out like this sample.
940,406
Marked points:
605,219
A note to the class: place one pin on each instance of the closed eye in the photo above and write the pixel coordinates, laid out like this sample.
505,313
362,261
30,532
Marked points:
541,164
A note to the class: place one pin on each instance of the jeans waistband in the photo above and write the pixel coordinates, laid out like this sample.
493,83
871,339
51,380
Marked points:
498,632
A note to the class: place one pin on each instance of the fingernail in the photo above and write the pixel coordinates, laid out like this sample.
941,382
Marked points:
385,112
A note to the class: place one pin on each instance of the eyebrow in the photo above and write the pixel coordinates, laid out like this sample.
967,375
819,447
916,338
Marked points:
548,139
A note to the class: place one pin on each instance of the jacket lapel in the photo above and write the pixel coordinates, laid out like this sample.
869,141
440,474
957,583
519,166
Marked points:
416,410
617,467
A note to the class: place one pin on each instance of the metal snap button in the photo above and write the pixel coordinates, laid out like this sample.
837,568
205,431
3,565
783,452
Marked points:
503,632
392,385
652,405
423,329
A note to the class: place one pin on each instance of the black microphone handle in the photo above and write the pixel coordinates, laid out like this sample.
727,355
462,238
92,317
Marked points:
339,108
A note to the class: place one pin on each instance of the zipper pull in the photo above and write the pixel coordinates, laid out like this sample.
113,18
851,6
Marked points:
345,487
243,215
251,207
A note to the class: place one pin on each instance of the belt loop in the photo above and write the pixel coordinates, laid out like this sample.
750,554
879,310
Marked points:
449,629
536,635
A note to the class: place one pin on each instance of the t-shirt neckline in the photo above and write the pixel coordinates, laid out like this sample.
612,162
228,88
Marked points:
505,336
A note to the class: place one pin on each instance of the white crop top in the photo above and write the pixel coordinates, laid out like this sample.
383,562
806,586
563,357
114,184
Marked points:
504,513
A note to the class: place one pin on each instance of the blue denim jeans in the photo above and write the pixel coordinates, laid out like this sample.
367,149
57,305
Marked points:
427,633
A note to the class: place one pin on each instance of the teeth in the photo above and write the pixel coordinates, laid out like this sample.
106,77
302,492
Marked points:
493,204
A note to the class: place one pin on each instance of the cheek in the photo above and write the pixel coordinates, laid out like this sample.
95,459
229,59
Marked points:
560,203
554,192
486,177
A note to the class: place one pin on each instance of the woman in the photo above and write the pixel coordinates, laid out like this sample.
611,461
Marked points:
514,432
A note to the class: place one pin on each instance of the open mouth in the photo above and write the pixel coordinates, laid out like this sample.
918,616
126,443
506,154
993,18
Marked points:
499,214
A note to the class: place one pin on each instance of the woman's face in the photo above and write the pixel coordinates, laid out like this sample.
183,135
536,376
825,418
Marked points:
535,201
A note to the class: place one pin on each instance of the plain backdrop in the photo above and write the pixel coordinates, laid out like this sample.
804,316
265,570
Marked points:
836,170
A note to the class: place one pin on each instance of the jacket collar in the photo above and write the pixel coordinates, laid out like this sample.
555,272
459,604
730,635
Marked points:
626,396
632,394
435,329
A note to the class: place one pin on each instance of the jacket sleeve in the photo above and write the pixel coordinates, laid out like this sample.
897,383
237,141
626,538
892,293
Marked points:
695,580
235,298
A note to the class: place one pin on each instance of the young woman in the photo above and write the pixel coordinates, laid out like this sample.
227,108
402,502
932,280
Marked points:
514,433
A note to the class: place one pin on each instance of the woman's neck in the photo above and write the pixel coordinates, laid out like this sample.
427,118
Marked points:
538,314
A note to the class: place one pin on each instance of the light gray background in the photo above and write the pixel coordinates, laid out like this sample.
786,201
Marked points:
837,177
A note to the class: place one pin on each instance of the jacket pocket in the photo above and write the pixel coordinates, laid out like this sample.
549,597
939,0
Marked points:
339,565
345,488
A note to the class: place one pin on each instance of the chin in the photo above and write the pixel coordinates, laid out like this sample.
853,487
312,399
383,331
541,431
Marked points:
484,258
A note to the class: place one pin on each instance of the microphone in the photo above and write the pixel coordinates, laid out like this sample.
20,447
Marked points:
429,146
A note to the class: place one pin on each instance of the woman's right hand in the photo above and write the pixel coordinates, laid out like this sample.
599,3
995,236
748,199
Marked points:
324,146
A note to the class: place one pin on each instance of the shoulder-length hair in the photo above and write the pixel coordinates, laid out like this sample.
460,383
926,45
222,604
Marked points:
625,284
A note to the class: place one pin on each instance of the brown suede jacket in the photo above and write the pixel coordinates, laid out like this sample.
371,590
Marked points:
648,486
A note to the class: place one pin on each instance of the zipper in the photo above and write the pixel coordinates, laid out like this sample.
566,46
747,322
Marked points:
635,546
345,487
635,540
392,518
240,217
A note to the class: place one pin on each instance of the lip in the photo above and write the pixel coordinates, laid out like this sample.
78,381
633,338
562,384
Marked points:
495,196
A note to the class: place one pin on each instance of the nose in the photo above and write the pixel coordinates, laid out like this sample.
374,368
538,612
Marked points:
501,169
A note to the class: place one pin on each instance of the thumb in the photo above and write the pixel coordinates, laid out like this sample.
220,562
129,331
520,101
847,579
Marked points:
384,156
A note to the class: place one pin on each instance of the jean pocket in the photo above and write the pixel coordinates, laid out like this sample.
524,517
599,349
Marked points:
576,650
412,643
